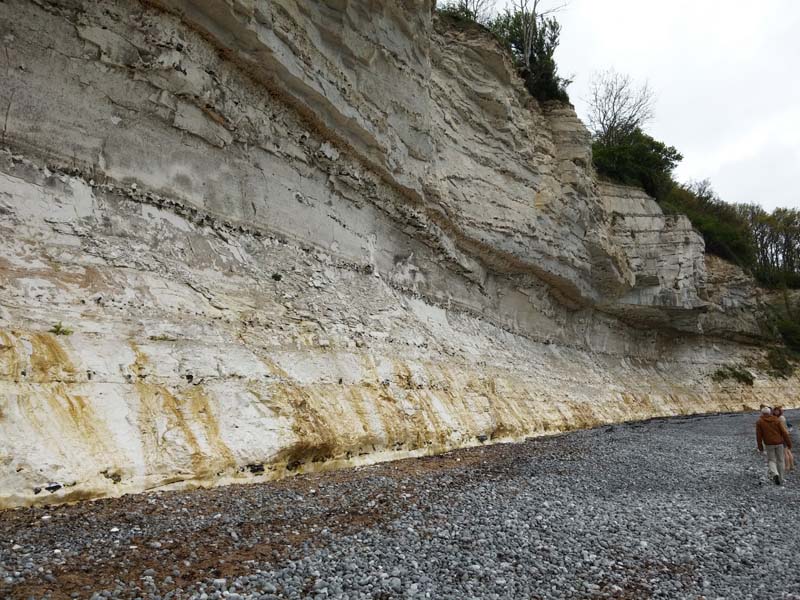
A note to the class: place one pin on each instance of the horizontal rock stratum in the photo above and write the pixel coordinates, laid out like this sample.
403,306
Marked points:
244,239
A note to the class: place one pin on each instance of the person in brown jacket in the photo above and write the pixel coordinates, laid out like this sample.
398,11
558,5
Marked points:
772,435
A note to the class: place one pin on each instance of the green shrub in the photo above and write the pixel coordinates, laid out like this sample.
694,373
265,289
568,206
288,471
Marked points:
162,337
638,159
725,232
59,329
538,69
457,12
733,372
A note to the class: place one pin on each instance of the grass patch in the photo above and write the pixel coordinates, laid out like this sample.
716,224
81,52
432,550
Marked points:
60,329
162,337
739,374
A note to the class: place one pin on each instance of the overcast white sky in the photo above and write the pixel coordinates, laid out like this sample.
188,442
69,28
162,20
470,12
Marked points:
726,74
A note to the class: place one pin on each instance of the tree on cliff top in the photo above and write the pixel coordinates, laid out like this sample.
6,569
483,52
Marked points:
776,237
526,17
622,151
767,245
617,107
532,35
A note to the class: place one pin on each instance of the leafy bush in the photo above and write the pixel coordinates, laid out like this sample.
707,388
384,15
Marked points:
771,277
638,159
536,64
538,69
732,372
59,329
725,232
457,12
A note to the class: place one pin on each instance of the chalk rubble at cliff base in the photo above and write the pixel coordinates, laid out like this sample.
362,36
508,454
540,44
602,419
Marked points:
660,509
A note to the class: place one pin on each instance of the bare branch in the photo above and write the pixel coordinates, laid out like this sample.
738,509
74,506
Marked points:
530,13
617,106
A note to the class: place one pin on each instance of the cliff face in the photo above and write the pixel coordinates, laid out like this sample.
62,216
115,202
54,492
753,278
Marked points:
291,235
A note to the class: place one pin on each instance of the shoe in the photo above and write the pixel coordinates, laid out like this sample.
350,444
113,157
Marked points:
777,479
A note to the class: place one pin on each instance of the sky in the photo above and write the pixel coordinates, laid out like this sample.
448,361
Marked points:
726,77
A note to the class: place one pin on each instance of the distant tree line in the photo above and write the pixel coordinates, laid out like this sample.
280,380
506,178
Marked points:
776,243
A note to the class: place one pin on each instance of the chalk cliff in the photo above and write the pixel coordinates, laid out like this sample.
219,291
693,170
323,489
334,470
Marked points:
243,239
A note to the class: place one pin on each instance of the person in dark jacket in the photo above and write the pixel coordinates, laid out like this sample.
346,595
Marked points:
771,435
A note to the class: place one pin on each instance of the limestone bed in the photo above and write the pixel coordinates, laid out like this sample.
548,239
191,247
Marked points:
665,508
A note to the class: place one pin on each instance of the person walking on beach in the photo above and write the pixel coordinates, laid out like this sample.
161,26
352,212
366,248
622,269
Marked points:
787,452
772,436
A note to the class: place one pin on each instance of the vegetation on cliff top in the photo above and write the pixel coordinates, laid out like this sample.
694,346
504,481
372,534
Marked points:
767,245
530,34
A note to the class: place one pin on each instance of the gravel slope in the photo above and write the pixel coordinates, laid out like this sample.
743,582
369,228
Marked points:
677,508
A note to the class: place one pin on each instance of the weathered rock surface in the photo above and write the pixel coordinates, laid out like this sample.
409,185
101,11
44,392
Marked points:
291,235
664,252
